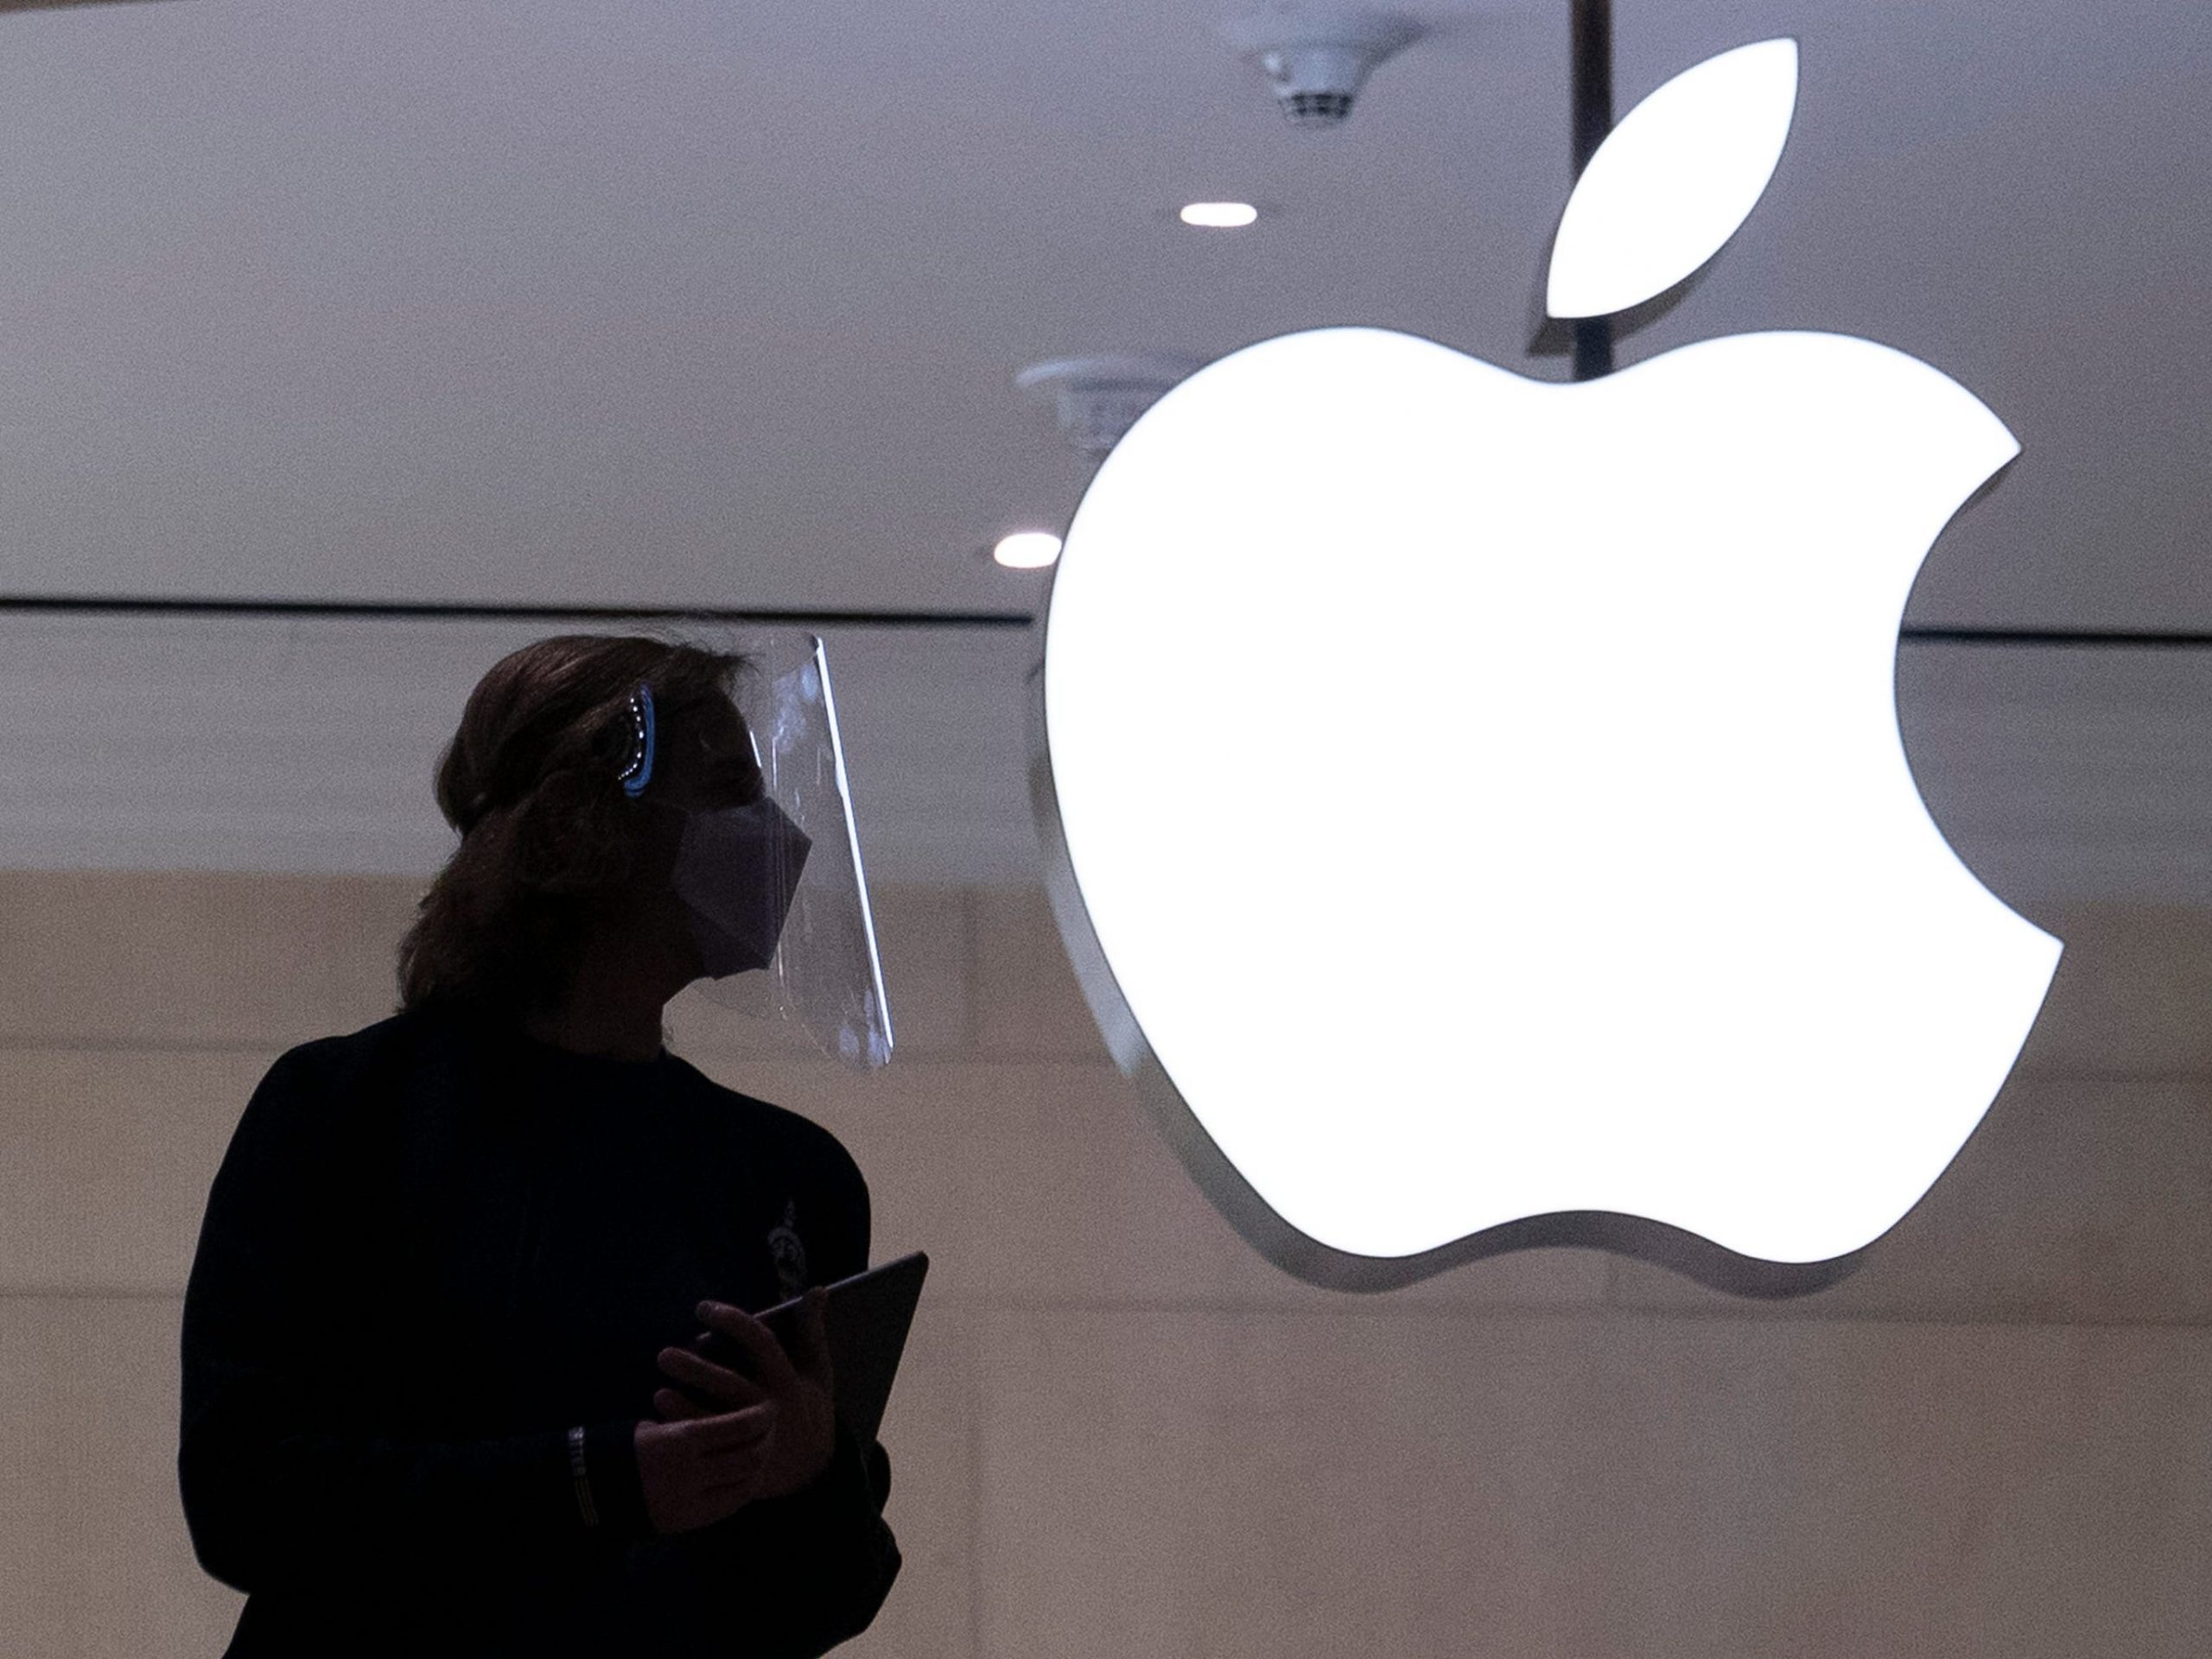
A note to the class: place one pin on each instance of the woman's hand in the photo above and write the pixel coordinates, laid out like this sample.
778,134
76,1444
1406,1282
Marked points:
794,1390
700,1470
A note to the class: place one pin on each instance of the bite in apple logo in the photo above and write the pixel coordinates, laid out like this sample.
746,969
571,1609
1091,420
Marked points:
1475,805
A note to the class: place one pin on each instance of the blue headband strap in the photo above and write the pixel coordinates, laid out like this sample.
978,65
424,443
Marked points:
638,771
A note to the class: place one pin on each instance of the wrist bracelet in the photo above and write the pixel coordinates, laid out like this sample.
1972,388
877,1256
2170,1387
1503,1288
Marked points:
582,1477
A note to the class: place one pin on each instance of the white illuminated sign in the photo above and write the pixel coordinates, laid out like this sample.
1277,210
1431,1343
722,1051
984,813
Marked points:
1478,799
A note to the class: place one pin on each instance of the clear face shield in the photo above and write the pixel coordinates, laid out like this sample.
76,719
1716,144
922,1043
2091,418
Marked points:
775,888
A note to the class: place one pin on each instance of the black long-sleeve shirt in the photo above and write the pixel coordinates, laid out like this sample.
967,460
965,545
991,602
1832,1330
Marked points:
433,1247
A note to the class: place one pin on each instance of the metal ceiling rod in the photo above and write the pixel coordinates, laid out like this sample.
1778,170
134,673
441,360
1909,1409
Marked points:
464,611
1590,41
90,604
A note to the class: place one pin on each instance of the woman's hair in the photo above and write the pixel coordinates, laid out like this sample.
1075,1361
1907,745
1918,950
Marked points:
531,780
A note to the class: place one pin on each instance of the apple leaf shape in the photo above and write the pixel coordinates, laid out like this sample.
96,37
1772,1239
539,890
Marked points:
1674,181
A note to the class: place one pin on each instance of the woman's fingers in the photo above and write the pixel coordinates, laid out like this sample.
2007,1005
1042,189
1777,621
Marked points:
686,1485
772,1364
678,1407
727,1433
718,1381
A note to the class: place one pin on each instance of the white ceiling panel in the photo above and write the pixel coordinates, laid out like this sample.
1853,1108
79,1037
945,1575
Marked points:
681,302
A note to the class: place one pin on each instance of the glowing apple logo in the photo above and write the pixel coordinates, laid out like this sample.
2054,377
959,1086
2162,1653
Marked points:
1476,804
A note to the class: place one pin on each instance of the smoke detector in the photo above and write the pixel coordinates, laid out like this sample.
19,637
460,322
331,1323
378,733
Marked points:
1099,398
1316,57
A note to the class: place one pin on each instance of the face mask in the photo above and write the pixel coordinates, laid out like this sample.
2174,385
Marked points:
736,870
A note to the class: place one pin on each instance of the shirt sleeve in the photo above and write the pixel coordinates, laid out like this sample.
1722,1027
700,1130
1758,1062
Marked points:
846,1557
848,1257
792,1577
289,1473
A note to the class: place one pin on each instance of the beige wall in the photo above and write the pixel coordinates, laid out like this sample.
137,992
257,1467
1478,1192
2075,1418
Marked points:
1121,1433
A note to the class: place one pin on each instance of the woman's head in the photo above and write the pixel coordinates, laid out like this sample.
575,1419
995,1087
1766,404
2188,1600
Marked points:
552,848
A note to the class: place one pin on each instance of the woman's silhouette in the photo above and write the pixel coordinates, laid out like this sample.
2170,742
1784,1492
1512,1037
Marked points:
451,1262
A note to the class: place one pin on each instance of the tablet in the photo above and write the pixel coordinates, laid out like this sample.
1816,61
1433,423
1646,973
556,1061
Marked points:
867,1320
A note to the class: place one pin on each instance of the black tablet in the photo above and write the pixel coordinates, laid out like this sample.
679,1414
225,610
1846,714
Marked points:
867,1320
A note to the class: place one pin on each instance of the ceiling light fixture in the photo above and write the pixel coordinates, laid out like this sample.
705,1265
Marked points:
1027,550
1219,215
1317,54
1099,398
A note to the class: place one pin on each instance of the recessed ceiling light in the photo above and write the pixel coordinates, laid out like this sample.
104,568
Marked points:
1027,550
1219,215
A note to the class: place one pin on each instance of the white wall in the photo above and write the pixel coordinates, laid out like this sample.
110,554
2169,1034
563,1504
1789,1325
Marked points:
1119,1433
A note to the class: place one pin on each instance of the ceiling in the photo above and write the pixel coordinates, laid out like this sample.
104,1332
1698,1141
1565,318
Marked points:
685,302
690,302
